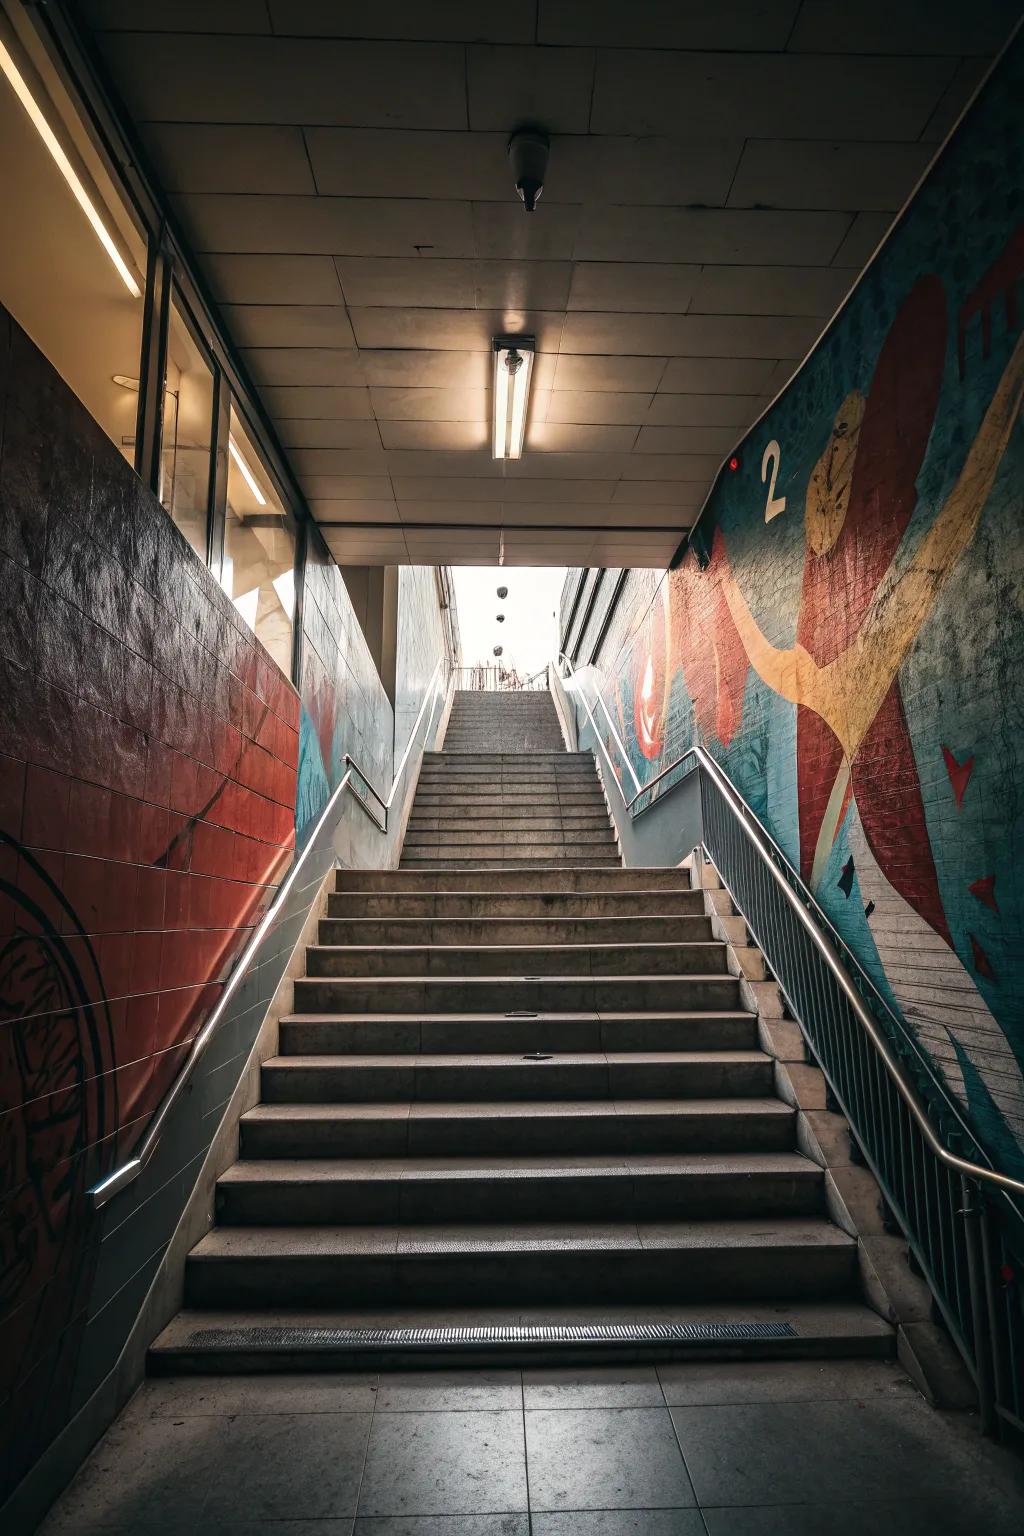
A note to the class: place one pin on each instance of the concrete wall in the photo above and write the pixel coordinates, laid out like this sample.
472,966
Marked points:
852,652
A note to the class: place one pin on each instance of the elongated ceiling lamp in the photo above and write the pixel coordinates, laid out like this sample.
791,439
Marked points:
67,170
513,369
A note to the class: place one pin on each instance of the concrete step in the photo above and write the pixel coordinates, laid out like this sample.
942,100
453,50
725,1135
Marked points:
705,957
488,931
561,906
511,796
459,838
262,1340
512,882
783,1257
675,1186
454,818
495,1077
399,1034
450,1129
501,994
502,858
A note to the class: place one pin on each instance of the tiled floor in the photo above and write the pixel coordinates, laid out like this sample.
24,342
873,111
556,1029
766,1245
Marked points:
779,1449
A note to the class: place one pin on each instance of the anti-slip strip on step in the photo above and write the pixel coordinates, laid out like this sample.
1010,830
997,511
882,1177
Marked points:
288,1340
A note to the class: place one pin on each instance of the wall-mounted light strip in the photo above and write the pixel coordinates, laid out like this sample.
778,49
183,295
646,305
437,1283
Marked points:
67,170
247,474
513,370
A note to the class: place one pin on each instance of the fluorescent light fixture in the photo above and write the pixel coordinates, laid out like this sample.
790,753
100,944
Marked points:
67,170
247,474
513,369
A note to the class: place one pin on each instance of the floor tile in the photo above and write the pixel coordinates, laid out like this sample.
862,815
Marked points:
429,1391
185,1396
605,1458
900,1518
150,1476
443,1525
438,1463
288,1466
780,1381
593,1387
858,1452
620,1522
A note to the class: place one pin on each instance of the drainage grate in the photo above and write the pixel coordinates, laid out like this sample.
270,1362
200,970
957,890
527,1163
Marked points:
288,1339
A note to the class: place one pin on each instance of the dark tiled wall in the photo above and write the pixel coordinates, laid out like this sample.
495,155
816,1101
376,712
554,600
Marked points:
147,792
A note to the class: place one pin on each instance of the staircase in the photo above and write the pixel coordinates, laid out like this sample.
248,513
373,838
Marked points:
519,1087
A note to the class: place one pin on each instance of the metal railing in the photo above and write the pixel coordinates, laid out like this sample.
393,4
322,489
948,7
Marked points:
481,679
963,1219
353,782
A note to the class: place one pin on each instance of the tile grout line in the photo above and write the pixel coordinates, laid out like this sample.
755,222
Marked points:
366,1451
682,1453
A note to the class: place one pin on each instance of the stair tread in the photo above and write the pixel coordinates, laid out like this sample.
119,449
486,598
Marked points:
446,1109
245,1242
506,1059
609,1017
527,1166
512,950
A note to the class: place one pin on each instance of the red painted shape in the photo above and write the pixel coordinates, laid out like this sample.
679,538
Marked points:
985,890
998,282
959,775
982,963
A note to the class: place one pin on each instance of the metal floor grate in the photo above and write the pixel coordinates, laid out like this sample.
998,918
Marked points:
287,1339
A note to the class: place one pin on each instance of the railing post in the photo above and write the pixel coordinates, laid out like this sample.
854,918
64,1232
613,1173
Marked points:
996,1312
971,1211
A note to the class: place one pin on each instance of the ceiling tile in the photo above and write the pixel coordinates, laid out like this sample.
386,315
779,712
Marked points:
457,330
217,157
717,375
681,24
434,512
813,291
969,75
347,487
378,162
509,86
654,169
288,325
340,461
477,21
671,466
406,463
766,95
498,490
353,511
715,440
670,493
315,402
521,285
430,404
183,16
703,410
597,406
506,231
784,173
328,434
225,79
428,369
272,279
375,281
751,236
363,547
563,514
558,437
913,26
303,365
335,226
865,234
434,434
691,335
632,286
615,373
779,377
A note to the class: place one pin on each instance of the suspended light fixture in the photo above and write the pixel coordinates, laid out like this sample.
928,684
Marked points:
513,369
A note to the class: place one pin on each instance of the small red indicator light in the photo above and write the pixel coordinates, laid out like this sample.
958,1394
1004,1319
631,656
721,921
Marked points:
734,462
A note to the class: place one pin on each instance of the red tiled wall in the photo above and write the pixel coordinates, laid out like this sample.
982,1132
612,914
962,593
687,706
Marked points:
147,792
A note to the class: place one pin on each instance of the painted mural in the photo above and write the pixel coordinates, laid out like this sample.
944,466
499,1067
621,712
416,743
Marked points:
148,752
846,635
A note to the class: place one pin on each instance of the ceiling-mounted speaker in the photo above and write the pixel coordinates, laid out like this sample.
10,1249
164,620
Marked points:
503,592
528,150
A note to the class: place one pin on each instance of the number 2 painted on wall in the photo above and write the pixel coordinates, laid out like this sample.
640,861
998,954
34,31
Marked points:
775,504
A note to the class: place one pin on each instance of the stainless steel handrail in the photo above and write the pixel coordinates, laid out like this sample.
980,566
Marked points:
103,1192
563,658
804,905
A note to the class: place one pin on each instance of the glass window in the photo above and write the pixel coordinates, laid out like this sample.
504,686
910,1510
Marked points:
259,549
187,432
72,256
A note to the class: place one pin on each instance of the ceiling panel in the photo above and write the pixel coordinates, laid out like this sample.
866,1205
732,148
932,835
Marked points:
719,175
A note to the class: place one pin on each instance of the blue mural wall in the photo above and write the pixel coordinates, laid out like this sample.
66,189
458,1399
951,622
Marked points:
852,651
